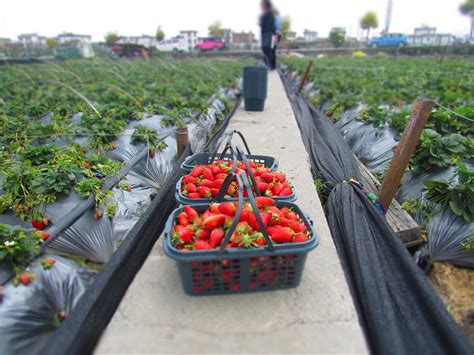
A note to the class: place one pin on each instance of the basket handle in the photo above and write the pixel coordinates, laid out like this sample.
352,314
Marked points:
243,157
228,144
243,183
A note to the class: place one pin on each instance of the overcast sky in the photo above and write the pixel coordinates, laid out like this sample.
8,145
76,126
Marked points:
96,17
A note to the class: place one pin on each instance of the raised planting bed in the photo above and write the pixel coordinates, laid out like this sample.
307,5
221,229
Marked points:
370,101
85,148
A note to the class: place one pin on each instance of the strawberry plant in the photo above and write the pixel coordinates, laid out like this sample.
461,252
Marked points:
18,245
457,193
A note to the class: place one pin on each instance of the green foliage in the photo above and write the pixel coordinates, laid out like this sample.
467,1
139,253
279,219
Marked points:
215,29
18,245
369,21
440,151
458,193
160,35
337,39
142,134
111,38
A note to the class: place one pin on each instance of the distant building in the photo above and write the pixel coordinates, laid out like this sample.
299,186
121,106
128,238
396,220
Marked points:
292,36
67,37
427,36
4,42
310,36
32,39
190,38
143,40
243,37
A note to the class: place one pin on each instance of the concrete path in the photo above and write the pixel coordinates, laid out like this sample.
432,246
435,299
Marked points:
156,316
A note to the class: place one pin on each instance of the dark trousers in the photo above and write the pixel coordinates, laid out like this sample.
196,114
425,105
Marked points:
269,57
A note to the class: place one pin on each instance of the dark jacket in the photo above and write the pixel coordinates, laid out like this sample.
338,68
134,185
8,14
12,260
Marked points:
267,26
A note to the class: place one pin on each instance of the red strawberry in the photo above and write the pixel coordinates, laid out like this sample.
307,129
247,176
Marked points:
227,208
277,188
280,234
202,245
215,170
221,176
24,278
284,222
214,192
205,192
98,214
280,177
266,217
151,153
245,215
202,234
183,219
300,238
231,191
262,187
214,222
44,236
190,188
208,174
197,171
38,225
207,183
267,177
259,239
191,213
291,215
214,208
298,227
189,179
218,183
182,235
286,192
216,237
194,195
264,201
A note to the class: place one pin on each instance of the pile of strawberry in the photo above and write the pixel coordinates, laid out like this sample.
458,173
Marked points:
204,181
206,231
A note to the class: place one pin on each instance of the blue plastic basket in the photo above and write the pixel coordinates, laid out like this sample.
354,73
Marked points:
238,270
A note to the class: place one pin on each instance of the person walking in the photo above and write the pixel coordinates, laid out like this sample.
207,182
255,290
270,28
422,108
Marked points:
277,35
267,27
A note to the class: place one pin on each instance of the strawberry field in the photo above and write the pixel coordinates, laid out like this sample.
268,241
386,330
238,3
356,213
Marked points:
85,147
369,101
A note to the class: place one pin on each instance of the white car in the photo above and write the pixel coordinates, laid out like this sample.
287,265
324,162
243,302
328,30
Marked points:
176,44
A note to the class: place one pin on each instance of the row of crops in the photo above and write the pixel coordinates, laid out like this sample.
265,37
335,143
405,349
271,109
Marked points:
370,99
66,131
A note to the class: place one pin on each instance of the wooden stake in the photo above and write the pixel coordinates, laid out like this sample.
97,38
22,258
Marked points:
405,150
305,76
181,140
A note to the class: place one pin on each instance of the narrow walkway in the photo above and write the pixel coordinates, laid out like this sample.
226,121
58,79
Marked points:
156,316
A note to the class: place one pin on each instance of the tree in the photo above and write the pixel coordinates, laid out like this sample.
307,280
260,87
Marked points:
160,35
337,38
215,30
51,43
111,38
468,9
369,21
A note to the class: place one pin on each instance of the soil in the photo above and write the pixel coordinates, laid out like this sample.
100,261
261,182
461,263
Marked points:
456,288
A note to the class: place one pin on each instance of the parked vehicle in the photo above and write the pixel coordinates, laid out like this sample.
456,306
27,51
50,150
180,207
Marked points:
388,40
175,44
210,44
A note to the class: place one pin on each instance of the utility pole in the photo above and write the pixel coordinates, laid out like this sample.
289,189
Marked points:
388,18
